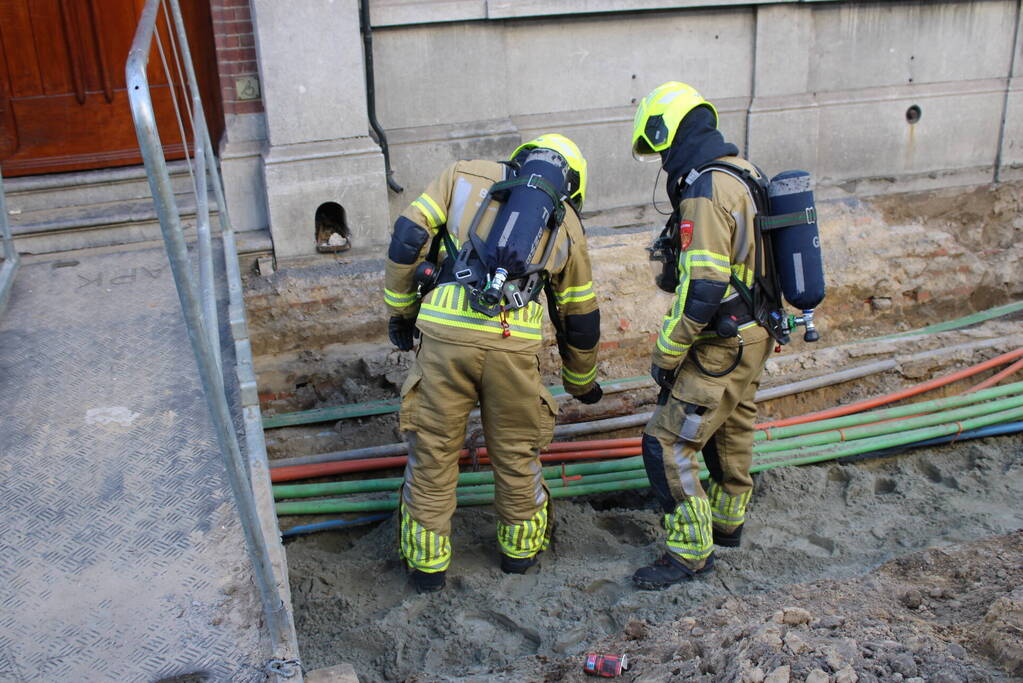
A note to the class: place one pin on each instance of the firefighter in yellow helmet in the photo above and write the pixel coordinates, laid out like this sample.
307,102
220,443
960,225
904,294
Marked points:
467,262
710,352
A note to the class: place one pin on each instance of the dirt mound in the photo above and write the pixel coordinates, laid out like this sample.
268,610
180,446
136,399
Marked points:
949,614
948,611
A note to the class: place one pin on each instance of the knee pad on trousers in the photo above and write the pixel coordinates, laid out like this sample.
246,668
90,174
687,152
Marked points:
653,462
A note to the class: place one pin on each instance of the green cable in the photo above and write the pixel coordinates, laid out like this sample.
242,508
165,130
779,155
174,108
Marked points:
887,414
553,484
335,505
971,319
284,491
382,407
808,455
906,424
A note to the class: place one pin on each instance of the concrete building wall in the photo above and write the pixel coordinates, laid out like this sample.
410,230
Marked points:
821,85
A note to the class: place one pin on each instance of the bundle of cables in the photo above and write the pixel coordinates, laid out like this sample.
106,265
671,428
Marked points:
612,465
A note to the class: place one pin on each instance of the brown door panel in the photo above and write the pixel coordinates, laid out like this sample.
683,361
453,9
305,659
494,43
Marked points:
92,138
63,98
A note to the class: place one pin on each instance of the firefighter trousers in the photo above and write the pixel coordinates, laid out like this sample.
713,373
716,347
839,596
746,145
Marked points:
517,414
715,415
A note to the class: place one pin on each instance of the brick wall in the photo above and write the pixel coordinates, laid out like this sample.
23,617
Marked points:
236,56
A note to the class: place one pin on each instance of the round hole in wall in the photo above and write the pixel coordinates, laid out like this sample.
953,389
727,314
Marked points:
913,114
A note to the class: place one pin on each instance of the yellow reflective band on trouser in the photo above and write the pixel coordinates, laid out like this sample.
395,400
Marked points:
575,294
727,510
448,305
435,215
397,299
421,548
689,530
577,378
525,539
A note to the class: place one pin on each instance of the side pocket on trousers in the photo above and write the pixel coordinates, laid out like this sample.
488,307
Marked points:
548,415
408,417
698,399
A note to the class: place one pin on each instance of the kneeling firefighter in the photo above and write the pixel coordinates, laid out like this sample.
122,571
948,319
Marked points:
466,265
717,336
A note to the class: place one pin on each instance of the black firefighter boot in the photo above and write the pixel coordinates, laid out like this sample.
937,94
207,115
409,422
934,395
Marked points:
667,571
428,582
728,540
519,565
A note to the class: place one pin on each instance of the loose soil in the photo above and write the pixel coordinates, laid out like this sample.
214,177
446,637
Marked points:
881,569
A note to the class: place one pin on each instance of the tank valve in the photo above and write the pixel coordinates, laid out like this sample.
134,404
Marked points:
806,320
492,294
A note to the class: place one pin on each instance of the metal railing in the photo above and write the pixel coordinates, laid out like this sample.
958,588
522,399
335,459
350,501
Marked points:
249,479
11,260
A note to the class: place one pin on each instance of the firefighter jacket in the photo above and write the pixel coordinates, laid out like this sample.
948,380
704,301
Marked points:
716,214
444,314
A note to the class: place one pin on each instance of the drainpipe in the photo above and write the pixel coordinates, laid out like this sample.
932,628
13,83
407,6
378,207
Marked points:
371,100
1008,86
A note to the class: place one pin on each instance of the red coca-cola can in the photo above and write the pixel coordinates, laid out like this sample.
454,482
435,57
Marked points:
608,666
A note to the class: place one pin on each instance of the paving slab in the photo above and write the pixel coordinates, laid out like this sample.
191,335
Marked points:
121,554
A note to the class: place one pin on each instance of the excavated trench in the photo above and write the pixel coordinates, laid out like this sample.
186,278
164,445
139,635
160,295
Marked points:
894,264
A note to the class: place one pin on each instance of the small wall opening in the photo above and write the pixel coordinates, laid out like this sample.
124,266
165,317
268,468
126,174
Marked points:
331,225
913,114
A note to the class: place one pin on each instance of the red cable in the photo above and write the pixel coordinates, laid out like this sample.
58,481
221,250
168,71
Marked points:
869,403
324,469
996,378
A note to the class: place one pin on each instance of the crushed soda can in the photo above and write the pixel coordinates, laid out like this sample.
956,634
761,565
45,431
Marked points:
607,666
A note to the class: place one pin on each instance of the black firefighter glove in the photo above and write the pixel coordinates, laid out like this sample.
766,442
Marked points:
401,331
665,379
592,396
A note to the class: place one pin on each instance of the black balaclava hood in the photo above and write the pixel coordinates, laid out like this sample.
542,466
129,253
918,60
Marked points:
697,141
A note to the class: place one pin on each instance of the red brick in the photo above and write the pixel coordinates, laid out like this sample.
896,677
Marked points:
247,40
232,27
248,107
226,41
230,54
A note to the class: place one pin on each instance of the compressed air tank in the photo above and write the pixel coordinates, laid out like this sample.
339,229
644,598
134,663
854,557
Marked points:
525,212
797,248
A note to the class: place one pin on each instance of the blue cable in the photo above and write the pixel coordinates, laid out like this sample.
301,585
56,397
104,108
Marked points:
332,524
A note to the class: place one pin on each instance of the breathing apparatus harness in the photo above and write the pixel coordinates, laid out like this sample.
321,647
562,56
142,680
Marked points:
498,273
763,302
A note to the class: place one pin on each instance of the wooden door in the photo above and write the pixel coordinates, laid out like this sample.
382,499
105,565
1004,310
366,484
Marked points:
63,100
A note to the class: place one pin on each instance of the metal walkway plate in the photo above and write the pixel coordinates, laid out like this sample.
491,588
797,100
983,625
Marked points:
121,557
